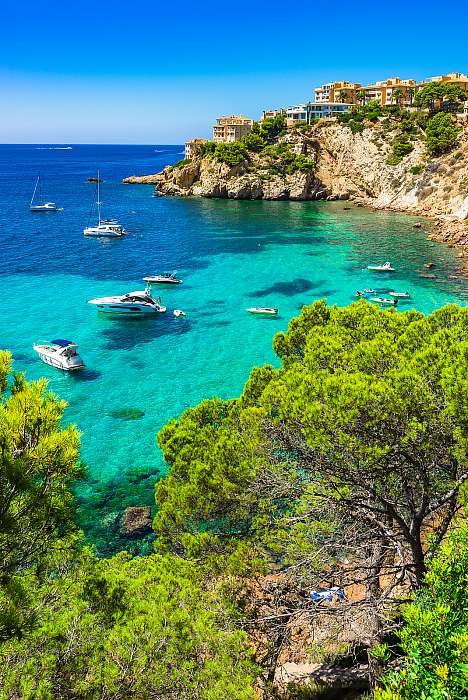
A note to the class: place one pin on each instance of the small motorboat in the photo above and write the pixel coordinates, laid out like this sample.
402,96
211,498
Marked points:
165,278
178,313
59,353
265,310
132,303
400,295
365,292
386,267
384,300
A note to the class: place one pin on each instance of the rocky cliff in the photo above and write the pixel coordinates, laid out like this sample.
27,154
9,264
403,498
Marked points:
346,165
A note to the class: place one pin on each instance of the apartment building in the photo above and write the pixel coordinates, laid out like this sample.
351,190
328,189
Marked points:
340,91
392,91
308,111
232,128
272,113
454,78
191,147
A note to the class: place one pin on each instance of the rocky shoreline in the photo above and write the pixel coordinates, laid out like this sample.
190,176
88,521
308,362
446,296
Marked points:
346,166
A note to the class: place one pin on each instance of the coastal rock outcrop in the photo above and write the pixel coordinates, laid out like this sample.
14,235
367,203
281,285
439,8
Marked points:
136,522
346,165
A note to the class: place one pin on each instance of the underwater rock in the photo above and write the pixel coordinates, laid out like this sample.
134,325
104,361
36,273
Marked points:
136,521
128,413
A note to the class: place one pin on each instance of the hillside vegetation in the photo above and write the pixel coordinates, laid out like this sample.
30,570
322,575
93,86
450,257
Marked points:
343,468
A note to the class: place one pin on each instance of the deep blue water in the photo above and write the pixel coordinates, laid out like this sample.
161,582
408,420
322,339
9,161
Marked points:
231,255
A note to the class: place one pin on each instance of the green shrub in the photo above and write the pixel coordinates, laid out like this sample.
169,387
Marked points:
441,133
435,633
356,127
179,164
231,153
417,169
253,142
300,162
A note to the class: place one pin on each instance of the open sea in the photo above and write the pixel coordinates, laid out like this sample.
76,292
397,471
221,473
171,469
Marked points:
231,255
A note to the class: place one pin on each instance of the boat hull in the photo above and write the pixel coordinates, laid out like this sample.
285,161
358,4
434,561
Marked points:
129,310
263,312
103,233
59,364
43,209
157,280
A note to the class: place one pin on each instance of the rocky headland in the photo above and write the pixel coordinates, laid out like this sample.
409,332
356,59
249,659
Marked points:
335,163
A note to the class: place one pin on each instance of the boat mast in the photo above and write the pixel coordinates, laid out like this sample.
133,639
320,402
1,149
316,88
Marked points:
35,188
99,196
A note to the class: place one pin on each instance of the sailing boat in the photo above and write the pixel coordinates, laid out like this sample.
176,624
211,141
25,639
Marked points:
105,228
46,206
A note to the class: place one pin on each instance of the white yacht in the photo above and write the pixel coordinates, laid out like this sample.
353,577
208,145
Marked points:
59,353
265,310
384,300
105,228
400,295
132,303
165,278
41,206
386,267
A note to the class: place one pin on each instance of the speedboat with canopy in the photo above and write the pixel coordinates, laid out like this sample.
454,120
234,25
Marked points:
105,228
59,353
132,303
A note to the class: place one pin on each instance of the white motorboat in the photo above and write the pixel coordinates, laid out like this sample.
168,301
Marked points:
384,300
400,295
178,313
386,267
44,206
165,278
365,292
265,310
105,228
59,353
133,303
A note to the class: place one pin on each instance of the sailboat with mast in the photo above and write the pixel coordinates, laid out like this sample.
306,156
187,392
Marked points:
41,206
105,228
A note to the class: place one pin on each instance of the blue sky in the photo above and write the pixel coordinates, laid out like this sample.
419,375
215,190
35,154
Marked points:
160,72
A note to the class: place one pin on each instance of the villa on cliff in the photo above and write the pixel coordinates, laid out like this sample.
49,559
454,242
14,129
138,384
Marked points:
191,147
233,128
331,99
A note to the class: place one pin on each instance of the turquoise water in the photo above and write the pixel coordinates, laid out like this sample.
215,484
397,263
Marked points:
231,255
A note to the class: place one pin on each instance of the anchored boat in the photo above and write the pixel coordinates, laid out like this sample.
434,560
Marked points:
165,278
59,353
265,310
400,295
105,228
44,206
132,303
384,300
386,267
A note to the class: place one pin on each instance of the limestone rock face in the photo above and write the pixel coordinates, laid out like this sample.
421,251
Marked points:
347,166
136,522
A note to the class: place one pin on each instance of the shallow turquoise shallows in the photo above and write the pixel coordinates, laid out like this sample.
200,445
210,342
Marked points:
231,255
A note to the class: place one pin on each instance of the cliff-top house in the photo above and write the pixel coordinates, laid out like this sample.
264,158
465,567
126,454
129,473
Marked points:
233,128
338,91
191,147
